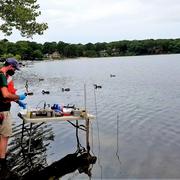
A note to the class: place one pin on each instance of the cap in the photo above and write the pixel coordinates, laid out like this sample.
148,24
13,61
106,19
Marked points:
13,62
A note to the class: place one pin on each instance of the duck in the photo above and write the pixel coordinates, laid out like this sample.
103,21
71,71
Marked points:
112,75
97,86
65,89
45,92
41,79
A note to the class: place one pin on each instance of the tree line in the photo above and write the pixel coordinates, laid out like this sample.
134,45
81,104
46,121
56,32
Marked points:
26,50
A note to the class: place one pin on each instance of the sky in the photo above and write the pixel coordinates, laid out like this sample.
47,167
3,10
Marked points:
84,21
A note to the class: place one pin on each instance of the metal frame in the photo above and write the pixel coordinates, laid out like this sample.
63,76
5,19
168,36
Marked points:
84,127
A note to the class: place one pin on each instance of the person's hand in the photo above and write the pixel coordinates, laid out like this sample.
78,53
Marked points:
21,104
22,96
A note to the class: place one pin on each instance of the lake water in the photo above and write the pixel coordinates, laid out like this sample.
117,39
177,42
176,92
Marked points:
137,130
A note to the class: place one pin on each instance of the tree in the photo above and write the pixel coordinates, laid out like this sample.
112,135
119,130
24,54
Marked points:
21,14
37,54
11,48
61,46
23,49
100,46
49,47
89,46
80,50
91,53
3,48
70,50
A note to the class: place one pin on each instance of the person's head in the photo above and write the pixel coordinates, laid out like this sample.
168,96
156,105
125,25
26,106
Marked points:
12,65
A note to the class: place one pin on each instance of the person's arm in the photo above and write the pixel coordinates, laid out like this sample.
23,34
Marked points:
7,95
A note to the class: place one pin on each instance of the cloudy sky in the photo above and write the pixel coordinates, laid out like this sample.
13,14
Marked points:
83,21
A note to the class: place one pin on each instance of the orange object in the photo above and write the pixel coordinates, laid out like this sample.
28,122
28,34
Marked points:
10,87
67,114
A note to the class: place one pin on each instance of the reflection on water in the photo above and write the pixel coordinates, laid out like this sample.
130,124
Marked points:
27,155
19,158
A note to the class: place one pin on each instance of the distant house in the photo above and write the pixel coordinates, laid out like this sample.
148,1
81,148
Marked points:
54,55
115,52
103,53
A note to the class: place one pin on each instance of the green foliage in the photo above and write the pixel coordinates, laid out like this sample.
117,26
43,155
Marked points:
37,54
91,53
61,46
2,48
26,50
21,14
71,51
89,46
7,55
49,47
17,56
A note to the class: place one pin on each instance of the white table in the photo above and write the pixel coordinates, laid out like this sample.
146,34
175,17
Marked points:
87,117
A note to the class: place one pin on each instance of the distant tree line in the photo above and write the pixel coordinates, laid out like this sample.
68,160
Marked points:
26,50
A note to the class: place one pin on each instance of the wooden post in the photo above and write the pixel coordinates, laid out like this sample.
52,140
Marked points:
87,134
87,121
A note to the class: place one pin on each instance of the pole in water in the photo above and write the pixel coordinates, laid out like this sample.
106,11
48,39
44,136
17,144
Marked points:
85,96
87,121
117,140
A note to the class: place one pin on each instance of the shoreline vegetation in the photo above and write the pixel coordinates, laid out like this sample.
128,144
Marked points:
27,50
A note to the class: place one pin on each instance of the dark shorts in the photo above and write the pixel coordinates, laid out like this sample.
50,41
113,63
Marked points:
6,124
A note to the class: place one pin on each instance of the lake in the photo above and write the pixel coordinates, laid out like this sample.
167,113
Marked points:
136,133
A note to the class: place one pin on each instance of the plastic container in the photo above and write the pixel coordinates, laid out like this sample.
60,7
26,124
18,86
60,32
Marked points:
57,108
76,112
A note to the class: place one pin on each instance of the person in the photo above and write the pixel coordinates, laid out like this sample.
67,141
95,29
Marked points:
7,94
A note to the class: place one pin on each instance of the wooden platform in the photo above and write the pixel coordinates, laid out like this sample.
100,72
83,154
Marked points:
55,119
45,119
